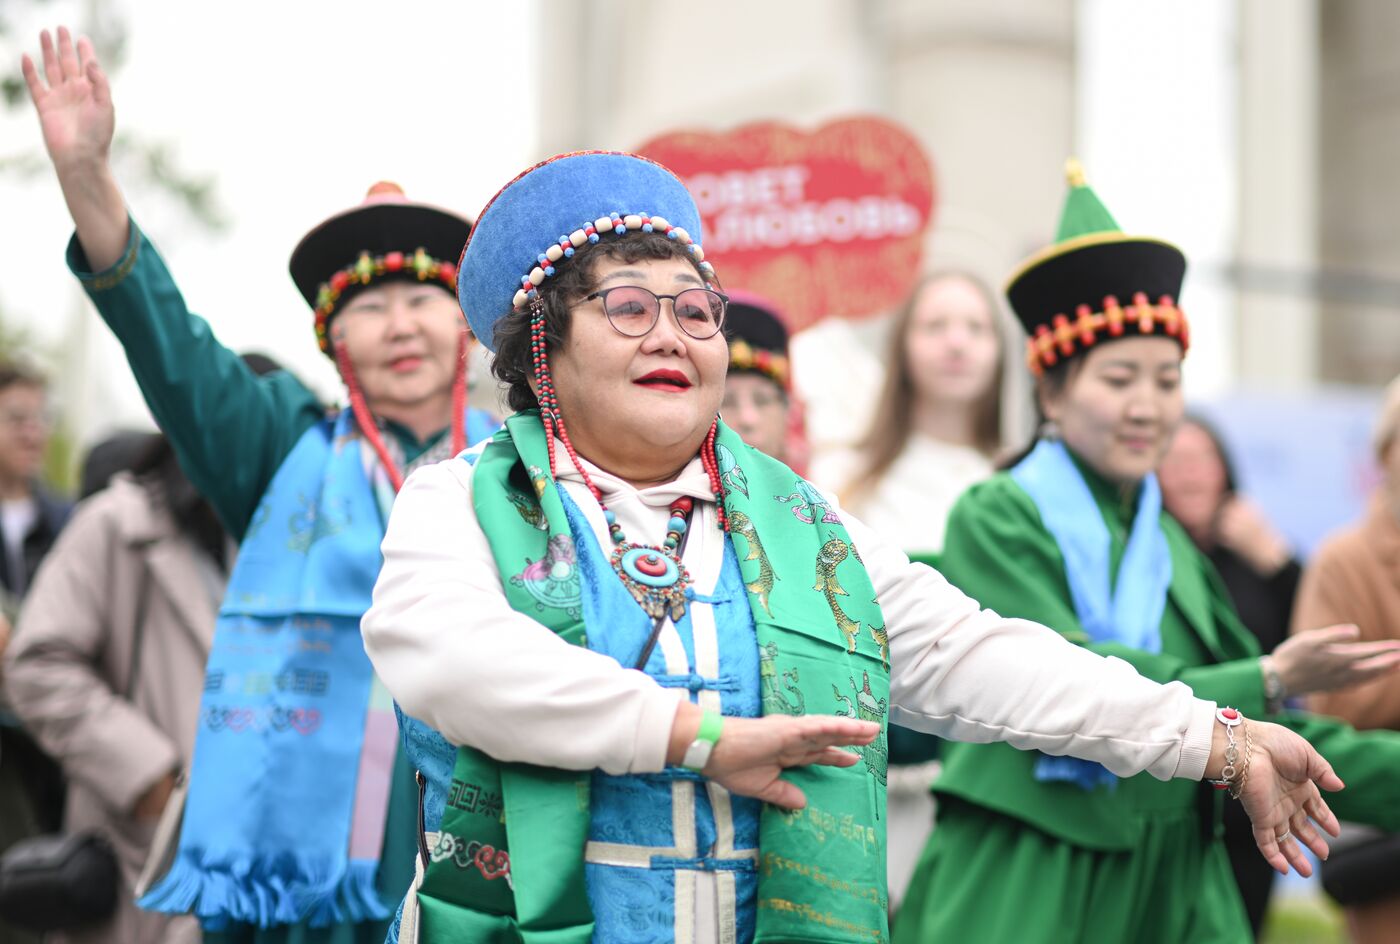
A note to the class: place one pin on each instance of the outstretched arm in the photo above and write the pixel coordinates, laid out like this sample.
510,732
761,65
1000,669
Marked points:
962,671
231,430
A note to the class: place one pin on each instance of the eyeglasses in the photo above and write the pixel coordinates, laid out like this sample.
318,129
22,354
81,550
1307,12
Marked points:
21,419
633,311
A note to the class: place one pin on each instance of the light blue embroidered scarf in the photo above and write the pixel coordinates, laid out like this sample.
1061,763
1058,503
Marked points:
289,780
1128,611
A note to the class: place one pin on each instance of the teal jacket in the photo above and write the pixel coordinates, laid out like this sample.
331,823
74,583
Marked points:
230,428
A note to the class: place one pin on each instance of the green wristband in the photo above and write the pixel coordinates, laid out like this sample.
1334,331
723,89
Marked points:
711,726
698,754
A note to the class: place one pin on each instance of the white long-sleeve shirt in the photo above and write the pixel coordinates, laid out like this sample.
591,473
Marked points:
455,655
910,504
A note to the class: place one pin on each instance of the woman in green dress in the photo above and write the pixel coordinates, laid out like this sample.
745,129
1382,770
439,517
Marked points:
300,820
1033,848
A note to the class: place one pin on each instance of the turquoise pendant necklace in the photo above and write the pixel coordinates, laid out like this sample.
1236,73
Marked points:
654,576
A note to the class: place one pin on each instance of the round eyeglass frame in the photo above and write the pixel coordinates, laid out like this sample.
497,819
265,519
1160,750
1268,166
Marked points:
656,316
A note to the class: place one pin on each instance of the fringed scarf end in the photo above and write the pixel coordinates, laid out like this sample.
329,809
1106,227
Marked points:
287,890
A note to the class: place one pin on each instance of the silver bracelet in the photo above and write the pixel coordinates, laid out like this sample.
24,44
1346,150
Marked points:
1231,718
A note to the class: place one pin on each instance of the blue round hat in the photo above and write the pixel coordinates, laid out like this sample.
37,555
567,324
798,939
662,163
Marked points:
542,216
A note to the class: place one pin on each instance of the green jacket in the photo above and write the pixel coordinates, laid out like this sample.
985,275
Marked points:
998,551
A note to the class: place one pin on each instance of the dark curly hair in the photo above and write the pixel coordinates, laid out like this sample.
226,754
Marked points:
573,279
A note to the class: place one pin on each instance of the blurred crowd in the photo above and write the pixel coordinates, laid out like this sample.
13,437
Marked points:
109,597
109,603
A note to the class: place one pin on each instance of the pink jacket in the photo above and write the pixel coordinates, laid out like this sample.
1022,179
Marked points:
69,664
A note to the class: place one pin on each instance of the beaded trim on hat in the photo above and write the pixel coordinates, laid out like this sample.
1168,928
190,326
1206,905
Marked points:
617,223
1050,344
368,268
744,356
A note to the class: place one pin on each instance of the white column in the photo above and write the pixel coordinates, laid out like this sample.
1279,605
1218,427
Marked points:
1277,335
1157,90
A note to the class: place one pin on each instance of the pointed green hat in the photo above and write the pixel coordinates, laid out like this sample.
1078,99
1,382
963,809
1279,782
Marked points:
1091,275
1084,213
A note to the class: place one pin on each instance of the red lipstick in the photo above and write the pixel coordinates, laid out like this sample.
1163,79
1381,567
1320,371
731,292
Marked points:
665,379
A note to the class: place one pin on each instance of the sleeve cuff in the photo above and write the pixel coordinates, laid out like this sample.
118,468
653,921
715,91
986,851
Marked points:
654,732
1195,746
1239,683
112,276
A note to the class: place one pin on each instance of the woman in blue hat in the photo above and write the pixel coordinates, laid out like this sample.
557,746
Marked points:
300,812
645,670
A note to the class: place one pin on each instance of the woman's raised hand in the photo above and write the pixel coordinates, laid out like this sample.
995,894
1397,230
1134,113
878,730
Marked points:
74,104
1282,799
1322,660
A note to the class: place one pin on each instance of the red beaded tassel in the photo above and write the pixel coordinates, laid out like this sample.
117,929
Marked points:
549,402
368,428
554,422
711,463
537,356
459,394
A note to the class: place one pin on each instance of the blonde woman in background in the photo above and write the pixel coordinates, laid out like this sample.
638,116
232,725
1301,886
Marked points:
934,433
937,422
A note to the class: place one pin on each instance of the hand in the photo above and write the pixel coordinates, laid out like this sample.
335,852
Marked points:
152,802
76,115
752,753
1321,660
75,110
1282,799
1243,528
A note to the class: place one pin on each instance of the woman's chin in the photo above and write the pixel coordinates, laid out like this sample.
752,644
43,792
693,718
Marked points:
961,391
413,389
665,429
1128,471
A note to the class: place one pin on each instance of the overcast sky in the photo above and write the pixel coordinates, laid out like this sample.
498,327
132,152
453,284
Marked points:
297,107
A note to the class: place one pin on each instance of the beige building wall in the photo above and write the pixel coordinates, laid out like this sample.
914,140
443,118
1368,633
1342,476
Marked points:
1277,336
987,87
711,64
1319,253
1359,191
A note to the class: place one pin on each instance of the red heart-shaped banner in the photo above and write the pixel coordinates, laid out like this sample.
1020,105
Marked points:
828,222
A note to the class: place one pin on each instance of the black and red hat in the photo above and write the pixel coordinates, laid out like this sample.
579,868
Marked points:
1095,283
758,337
385,238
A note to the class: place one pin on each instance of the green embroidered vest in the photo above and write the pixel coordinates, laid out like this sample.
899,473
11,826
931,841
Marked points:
509,862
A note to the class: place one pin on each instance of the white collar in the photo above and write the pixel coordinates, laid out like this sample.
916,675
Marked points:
692,481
